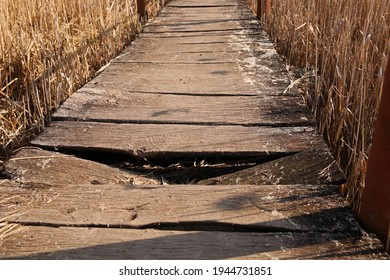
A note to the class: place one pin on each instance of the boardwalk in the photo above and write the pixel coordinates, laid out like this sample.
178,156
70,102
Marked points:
187,146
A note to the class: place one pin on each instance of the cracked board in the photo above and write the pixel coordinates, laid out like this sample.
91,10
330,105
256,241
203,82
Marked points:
32,165
245,207
116,106
164,140
107,243
307,167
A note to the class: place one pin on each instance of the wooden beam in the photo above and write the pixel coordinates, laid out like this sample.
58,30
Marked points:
375,205
141,8
263,8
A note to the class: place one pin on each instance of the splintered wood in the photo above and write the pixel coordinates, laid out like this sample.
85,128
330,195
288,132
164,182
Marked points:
201,87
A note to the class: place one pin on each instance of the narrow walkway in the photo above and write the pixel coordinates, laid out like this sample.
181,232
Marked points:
186,147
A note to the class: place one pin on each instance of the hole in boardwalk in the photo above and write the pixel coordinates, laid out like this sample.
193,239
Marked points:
175,170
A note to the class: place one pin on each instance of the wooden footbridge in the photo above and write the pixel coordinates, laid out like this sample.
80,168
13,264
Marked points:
189,145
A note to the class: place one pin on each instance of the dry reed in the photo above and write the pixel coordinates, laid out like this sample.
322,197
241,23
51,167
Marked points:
48,49
345,45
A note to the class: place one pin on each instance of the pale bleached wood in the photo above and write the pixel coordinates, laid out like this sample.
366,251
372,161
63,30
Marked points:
119,244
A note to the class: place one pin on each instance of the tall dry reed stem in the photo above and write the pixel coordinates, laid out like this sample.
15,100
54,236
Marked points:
49,48
345,44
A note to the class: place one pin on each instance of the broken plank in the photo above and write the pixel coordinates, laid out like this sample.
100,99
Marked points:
32,165
244,207
119,244
161,140
115,106
307,167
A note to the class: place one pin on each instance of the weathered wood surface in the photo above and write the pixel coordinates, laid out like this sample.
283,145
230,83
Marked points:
231,25
308,167
187,78
202,80
115,106
203,3
154,140
100,243
32,165
254,208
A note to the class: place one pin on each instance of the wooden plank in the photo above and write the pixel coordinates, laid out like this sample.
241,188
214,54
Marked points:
206,57
308,167
202,4
148,46
215,33
236,45
120,244
178,85
195,79
115,106
32,165
176,79
202,14
146,41
163,27
160,140
244,207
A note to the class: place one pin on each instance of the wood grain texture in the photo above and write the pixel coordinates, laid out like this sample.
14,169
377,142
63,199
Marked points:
245,207
208,67
120,244
201,78
116,106
307,167
162,140
32,165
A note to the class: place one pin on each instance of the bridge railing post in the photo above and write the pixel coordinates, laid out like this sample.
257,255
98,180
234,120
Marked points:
263,8
374,213
141,8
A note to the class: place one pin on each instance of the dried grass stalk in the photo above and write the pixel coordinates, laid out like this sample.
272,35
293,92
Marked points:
345,43
49,48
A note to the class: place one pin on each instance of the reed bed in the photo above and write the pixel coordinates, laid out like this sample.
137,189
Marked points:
344,46
49,48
